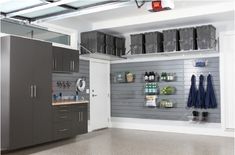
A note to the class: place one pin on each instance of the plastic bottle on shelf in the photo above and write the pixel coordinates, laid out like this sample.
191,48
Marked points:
146,88
146,76
168,76
157,77
150,76
154,76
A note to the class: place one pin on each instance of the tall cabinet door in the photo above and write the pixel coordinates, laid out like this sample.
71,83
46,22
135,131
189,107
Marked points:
57,59
75,61
71,60
21,104
67,62
42,84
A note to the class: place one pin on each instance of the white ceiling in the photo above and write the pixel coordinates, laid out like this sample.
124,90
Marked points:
86,22
129,11
122,12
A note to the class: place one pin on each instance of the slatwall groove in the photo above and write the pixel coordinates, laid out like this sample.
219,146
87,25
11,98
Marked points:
128,99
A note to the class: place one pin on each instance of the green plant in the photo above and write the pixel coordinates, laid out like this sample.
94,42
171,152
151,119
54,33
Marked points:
168,90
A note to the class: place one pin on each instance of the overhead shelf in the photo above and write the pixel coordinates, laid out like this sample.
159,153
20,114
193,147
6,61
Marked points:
205,53
101,56
177,55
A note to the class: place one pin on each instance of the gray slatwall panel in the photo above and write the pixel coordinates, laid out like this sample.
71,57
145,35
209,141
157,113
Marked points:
83,72
128,99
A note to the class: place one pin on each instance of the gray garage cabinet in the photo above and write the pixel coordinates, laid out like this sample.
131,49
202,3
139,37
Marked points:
26,107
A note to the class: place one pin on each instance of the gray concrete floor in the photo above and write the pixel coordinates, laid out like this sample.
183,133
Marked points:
134,142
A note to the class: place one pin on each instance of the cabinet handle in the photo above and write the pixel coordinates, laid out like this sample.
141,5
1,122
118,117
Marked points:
31,91
55,66
63,106
35,91
63,130
73,65
63,110
78,116
63,117
81,116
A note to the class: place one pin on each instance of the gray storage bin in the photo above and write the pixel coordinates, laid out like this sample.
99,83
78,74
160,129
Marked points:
153,38
189,44
120,42
120,51
137,39
171,46
206,31
154,48
170,35
109,40
110,50
187,33
120,46
94,41
206,43
137,49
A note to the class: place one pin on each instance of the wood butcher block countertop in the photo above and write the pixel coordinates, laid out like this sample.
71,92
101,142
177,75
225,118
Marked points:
57,103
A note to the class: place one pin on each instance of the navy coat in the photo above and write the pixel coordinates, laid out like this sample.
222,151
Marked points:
192,93
210,99
200,103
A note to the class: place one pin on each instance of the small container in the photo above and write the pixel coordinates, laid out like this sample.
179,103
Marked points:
77,97
130,77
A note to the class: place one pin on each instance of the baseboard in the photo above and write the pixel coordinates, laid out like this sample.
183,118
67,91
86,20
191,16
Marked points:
212,129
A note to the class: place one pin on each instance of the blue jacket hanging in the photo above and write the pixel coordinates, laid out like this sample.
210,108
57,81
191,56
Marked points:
210,100
200,103
192,93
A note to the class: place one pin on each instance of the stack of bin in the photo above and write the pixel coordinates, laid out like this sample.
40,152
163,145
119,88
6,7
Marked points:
110,45
120,46
187,38
137,44
206,37
153,42
93,41
171,40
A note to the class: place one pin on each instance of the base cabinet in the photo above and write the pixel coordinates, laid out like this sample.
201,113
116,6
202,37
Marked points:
69,120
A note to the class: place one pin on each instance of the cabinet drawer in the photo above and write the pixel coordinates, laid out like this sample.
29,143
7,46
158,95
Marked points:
62,113
62,116
62,108
62,130
79,107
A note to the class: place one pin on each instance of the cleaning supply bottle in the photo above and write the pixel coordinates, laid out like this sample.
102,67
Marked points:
146,76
